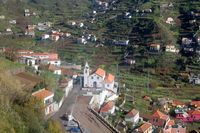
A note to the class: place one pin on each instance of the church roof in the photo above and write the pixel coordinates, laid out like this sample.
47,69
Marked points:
100,72
109,78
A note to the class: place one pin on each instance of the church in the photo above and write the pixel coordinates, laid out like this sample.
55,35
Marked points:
98,79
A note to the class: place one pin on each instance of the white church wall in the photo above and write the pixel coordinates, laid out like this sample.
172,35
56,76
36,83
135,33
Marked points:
109,86
95,79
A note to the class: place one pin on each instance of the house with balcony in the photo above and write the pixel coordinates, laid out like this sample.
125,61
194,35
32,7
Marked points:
145,128
159,119
107,108
195,104
46,97
194,79
171,48
132,116
176,128
36,59
154,48
188,115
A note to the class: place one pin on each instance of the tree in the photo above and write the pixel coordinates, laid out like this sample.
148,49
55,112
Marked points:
54,127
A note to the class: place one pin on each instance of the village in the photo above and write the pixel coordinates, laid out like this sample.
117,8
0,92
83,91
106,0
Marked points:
98,96
96,80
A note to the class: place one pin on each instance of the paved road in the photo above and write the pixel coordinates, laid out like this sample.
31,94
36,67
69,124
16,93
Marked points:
67,104
88,121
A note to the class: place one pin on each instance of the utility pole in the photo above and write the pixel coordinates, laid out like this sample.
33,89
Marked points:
71,114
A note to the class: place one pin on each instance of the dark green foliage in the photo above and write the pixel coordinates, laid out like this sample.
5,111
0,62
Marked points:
58,95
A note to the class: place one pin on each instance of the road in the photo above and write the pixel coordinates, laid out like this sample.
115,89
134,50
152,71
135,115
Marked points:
67,104
87,120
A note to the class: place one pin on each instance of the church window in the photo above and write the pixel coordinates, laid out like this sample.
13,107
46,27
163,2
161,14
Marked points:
92,77
107,85
97,77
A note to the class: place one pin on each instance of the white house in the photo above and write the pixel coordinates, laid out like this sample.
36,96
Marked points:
66,84
145,128
107,108
170,21
127,15
55,62
171,48
8,30
35,59
73,23
13,21
44,26
186,41
27,12
30,61
81,25
132,116
56,70
81,41
2,17
97,99
45,36
67,34
30,32
46,97
98,79
54,37
121,42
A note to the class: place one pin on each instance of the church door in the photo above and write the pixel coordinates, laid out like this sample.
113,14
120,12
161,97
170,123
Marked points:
95,84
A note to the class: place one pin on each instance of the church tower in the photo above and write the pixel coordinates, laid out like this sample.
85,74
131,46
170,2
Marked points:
86,74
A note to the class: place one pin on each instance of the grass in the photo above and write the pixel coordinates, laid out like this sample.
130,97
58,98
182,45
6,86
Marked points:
8,65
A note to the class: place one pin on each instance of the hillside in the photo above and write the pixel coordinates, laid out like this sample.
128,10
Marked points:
20,113
155,72
48,10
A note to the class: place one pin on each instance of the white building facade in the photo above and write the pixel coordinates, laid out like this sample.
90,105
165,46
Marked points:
98,79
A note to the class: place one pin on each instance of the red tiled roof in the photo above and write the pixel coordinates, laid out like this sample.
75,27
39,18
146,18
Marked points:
177,103
52,56
195,103
42,94
144,127
68,72
194,112
160,115
178,130
132,113
109,78
107,107
52,67
171,123
100,72
65,80
145,116
154,45
147,98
